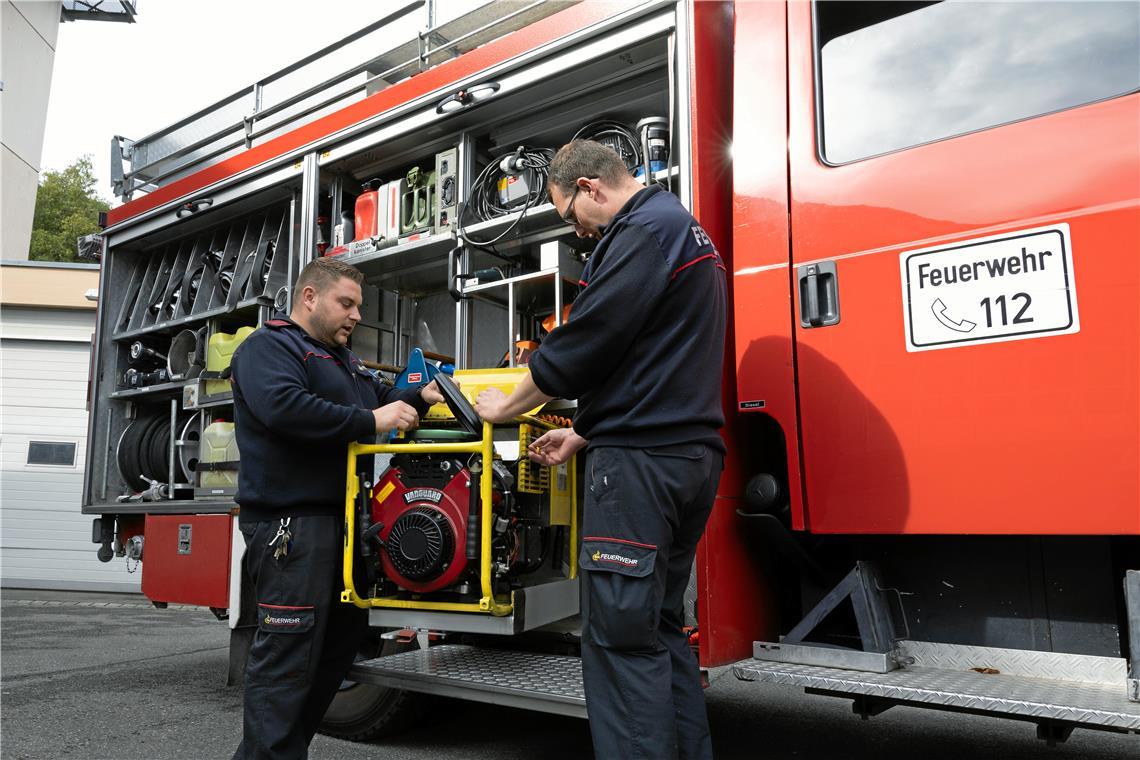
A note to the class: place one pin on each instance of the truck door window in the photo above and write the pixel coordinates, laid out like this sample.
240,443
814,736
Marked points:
892,75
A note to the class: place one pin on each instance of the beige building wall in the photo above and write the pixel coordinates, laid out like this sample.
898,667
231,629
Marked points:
47,285
28,33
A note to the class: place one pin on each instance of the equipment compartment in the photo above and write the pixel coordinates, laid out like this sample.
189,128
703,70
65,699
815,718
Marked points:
167,297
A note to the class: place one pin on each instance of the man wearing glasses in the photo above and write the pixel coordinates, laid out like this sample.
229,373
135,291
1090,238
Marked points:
642,354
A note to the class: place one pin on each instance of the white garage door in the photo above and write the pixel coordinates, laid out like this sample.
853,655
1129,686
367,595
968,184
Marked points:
45,542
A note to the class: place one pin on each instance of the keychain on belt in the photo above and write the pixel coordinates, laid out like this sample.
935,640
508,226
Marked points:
283,539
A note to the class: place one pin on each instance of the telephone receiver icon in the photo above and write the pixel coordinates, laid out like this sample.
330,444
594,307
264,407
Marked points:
940,314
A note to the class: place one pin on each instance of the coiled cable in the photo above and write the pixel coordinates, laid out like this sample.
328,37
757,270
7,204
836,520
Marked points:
532,165
616,135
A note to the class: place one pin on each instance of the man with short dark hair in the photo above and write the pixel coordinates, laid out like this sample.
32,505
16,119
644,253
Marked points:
300,397
642,352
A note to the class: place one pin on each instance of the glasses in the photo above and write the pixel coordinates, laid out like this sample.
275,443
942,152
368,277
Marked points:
568,216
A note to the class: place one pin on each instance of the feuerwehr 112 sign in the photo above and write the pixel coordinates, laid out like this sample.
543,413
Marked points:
1014,286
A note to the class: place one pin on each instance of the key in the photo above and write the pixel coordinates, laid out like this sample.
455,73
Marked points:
283,538
284,545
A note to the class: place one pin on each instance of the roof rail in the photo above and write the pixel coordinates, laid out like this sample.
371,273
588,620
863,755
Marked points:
312,87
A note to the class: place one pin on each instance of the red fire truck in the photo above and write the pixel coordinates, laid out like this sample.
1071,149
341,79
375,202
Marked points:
930,215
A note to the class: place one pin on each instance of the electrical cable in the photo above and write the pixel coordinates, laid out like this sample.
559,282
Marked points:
616,135
532,165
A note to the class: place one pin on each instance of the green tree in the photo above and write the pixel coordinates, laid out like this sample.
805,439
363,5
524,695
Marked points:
67,207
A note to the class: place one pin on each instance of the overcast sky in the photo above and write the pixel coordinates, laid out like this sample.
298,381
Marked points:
178,57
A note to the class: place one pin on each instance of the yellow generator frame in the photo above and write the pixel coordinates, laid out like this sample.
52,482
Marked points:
488,603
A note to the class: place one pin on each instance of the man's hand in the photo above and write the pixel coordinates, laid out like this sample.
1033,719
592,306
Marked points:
398,414
491,405
496,407
556,447
430,393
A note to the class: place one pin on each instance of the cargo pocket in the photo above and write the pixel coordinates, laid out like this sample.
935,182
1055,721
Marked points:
623,601
283,645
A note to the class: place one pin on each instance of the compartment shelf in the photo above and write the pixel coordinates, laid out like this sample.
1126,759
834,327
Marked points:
210,402
193,397
411,267
191,400
169,507
173,324
417,267
534,289
420,267
542,222
225,268
159,389
540,218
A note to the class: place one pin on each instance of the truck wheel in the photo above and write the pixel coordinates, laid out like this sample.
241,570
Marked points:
362,712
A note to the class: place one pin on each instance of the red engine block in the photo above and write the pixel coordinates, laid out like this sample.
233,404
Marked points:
424,533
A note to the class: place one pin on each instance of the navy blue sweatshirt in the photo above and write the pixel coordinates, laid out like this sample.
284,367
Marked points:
644,346
298,403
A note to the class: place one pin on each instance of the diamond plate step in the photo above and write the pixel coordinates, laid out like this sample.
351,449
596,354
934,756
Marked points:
547,683
1091,704
1054,666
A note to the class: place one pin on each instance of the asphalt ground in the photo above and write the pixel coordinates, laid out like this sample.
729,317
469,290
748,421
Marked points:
97,676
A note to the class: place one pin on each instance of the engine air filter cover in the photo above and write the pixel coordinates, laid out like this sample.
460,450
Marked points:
420,544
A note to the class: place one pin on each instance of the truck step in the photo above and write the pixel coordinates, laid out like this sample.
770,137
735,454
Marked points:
548,683
1094,705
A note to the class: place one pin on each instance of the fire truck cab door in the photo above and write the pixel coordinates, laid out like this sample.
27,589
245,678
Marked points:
970,170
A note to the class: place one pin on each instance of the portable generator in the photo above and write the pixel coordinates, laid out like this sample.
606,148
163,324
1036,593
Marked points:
461,528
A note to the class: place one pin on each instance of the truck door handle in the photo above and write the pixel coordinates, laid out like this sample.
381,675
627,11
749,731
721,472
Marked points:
819,294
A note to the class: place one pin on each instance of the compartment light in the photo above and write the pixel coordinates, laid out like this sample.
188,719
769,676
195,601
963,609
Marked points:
465,97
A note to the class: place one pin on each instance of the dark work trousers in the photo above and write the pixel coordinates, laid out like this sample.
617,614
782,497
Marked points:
645,511
306,637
